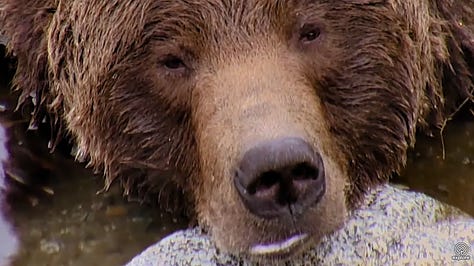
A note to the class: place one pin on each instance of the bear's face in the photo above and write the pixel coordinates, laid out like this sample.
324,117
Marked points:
273,116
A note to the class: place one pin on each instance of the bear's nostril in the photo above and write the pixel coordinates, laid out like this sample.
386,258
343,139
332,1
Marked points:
276,176
264,182
304,171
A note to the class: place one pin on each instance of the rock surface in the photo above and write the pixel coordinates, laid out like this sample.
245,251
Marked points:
392,227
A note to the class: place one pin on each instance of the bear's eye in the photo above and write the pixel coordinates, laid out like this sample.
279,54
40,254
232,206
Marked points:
309,33
173,63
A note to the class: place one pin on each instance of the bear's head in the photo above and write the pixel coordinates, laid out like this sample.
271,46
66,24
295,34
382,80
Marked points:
272,117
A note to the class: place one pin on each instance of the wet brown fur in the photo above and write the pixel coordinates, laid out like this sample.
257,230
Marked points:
380,70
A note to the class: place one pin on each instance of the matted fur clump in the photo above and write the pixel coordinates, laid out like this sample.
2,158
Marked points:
171,97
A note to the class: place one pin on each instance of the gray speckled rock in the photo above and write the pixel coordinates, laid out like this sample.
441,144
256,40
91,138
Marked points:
393,226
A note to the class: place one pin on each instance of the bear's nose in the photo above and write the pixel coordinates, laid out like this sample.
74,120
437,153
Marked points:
280,177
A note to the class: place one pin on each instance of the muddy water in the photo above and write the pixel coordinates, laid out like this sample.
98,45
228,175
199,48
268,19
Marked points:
75,226
449,175
78,227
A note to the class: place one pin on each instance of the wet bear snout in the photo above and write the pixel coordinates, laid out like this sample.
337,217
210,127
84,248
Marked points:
280,177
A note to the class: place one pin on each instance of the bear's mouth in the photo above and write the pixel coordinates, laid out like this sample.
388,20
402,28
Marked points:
280,248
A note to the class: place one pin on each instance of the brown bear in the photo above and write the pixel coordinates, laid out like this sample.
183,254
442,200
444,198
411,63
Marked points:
270,118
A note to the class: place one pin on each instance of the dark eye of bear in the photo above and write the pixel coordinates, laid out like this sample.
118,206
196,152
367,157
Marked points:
309,33
173,63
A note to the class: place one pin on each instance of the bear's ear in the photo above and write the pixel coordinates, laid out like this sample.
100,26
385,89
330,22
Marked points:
23,25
